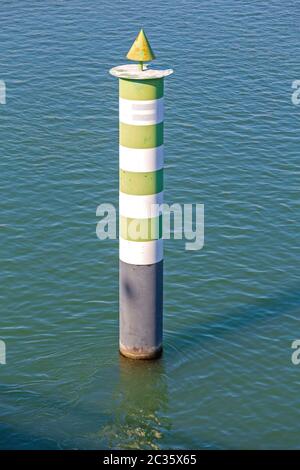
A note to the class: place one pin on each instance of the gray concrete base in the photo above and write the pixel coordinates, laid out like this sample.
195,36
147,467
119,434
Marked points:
141,310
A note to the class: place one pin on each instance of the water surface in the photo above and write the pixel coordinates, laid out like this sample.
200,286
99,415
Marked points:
231,310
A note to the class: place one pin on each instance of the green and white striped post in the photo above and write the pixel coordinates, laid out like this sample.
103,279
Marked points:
141,157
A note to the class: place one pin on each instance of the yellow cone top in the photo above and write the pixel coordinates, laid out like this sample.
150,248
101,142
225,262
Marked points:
141,50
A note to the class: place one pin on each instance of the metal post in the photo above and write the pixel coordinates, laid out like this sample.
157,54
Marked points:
141,155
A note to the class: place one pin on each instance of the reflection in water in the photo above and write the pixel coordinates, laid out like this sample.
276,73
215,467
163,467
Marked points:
140,416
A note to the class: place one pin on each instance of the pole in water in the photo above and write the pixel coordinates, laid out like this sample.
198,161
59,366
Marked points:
141,160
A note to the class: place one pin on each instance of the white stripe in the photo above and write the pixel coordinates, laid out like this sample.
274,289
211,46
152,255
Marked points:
141,113
140,160
141,252
140,207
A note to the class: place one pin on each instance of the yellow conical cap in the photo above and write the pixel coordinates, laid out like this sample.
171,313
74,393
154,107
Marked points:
141,50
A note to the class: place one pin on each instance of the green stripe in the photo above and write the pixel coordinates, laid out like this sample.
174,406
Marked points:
141,137
141,184
141,230
141,89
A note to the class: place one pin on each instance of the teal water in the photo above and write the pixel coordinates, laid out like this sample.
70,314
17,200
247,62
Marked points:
226,379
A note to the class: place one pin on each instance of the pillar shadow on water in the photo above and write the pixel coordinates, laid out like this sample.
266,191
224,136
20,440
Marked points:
140,418
255,315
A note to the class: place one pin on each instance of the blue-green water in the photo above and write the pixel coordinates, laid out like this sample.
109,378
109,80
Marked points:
226,379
